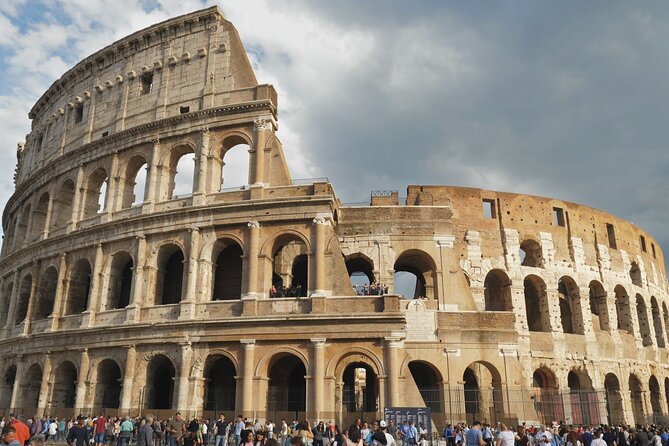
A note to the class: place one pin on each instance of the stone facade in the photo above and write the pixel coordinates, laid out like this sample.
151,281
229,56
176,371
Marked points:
534,309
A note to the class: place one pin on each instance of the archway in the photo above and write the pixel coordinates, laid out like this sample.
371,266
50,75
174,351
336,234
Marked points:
531,254
656,407
22,227
422,267
286,391
7,391
360,270
228,273
483,396
235,164
29,392
290,273
429,384
95,193
169,281
497,291
657,322
134,182
120,281
181,173
221,386
361,389
108,388
62,205
636,397
536,304
39,217
79,287
160,383
614,399
24,299
598,306
642,316
571,314
46,293
584,400
64,386
547,398
623,310
6,299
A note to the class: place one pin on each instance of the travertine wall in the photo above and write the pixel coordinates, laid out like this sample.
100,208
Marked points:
530,313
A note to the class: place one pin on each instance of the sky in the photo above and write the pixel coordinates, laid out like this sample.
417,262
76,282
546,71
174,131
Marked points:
561,99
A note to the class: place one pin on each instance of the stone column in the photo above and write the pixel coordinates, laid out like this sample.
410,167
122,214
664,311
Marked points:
20,371
133,311
59,298
128,378
262,126
152,177
31,301
94,296
393,343
49,214
11,314
82,376
188,303
182,402
247,377
252,261
202,161
111,199
319,228
318,377
76,201
44,385
585,314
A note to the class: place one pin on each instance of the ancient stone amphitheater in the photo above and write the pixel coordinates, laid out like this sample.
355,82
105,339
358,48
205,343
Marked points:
120,294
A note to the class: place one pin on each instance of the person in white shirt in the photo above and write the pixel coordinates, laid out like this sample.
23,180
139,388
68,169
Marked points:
390,440
52,431
598,441
505,437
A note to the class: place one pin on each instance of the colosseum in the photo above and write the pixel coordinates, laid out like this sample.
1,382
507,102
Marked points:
135,279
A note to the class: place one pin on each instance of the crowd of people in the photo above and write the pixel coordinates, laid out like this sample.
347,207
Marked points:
375,289
279,290
176,431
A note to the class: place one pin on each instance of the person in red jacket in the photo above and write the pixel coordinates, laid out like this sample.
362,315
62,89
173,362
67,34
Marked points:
22,431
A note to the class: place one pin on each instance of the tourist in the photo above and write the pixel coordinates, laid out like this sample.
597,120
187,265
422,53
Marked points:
239,427
505,437
221,431
52,431
353,437
260,438
174,429
249,438
380,437
145,432
78,434
9,437
474,437
319,434
22,433
304,432
125,432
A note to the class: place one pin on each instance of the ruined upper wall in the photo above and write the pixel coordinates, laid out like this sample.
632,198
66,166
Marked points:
579,234
182,65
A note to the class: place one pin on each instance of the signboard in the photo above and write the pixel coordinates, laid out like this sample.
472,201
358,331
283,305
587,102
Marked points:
419,416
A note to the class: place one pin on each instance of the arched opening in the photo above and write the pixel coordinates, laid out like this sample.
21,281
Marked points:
360,392
623,310
22,227
108,388
235,164
10,237
614,400
636,396
360,270
598,307
536,304
120,281
635,274
134,182
656,407
547,398
64,386
221,386
79,287
290,276
62,205
95,193
286,391
429,383
4,309
24,299
642,315
666,390
46,293
531,254
657,322
570,306
665,315
160,383
182,172
7,390
39,217
483,395
584,401
497,291
29,392
169,283
421,266
228,273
